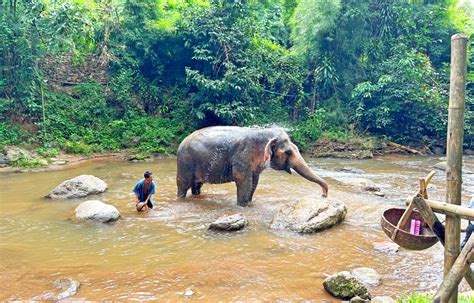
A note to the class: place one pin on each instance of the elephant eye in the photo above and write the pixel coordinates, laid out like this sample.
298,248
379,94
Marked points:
288,152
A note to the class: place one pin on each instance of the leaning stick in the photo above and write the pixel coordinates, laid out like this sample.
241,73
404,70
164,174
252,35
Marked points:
458,270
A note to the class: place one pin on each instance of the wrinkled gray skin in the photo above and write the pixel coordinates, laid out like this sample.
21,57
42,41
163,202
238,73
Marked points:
223,154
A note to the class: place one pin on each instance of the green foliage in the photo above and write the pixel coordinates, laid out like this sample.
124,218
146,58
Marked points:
310,130
11,135
223,82
326,68
311,21
46,152
404,99
28,162
427,297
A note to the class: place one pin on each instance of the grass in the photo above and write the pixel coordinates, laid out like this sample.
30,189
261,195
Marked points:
428,297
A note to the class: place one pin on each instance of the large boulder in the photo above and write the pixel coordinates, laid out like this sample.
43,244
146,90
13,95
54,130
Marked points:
344,286
78,187
14,153
96,211
309,215
367,276
229,223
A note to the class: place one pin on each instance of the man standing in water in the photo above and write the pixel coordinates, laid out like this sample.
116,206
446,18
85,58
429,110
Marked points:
143,190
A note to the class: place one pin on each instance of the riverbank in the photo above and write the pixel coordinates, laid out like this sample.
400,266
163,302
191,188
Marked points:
27,159
18,159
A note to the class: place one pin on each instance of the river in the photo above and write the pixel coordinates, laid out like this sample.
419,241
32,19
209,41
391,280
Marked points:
158,255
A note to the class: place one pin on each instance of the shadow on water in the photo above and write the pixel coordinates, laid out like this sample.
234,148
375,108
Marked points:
158,255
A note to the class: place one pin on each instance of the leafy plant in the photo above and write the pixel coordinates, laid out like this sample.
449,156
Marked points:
46,152
28,162
428,297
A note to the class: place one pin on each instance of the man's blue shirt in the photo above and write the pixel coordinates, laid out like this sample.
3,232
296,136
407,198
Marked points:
138,189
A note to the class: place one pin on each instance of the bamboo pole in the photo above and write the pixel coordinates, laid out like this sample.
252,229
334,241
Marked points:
454,277
449,209
457,91
452,210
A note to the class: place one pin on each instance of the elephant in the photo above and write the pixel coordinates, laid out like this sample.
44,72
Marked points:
221,154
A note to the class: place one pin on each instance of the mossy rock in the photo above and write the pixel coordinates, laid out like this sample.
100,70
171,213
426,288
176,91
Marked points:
344,286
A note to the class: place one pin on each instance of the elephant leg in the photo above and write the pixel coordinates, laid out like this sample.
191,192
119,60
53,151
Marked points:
196,189
183,185
254,185
244,189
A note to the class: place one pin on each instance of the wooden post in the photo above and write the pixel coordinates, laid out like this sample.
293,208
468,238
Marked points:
457,92
458,270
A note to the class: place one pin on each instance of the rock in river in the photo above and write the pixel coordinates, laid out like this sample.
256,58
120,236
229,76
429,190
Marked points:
309,215
383,299
441,165
96,211
228,223
353,170
78,187
386,246
367,276
344,286
67,286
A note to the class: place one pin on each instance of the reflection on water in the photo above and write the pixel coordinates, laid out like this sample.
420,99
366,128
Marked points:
157,256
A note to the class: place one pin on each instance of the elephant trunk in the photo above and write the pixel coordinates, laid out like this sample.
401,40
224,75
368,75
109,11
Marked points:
300,166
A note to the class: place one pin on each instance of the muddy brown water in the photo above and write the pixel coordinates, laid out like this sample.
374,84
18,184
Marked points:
157,256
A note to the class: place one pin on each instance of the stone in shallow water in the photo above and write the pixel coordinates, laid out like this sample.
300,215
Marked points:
229,223
383,299
358,299
367,276
309,215
344,286
188,292
68,286
386,246
96,210
353,170
78,187
441,165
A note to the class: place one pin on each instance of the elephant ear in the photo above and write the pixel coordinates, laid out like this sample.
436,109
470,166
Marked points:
267,155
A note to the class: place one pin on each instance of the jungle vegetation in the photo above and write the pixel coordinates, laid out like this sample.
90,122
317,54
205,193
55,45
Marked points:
334,68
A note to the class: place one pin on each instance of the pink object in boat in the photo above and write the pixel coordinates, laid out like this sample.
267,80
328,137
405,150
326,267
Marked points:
412,226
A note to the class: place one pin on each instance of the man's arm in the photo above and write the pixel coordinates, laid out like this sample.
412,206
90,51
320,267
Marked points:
135,191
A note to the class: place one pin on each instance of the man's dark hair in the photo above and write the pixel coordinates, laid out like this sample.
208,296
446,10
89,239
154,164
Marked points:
147,174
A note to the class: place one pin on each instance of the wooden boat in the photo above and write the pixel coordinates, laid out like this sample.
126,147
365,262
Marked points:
403,237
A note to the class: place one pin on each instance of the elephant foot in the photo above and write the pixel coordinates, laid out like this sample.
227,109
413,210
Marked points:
196,189
243,203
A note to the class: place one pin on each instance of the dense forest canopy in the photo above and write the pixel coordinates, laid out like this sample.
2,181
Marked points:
319,67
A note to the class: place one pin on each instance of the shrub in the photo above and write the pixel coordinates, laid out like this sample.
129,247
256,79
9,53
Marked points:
46,152
310,130
11,135
77,147
27,162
